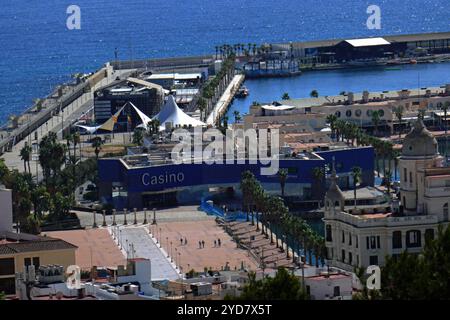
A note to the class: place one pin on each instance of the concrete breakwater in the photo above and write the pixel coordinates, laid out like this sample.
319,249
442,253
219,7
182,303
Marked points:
164,63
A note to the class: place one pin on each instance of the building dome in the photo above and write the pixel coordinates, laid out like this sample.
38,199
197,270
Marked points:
334,193
419,142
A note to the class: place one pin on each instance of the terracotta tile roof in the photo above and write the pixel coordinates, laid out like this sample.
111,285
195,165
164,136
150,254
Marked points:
35,245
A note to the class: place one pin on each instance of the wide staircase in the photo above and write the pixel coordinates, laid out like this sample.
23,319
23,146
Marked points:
268,254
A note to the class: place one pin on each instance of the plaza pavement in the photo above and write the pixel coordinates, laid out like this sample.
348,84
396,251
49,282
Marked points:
187,222
95,247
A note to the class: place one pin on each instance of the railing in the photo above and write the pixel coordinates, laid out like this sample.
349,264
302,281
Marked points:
227,216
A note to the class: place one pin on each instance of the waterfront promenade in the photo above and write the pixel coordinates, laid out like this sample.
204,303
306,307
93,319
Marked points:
57,123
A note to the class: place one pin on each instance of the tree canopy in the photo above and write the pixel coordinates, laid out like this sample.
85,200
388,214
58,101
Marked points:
283,286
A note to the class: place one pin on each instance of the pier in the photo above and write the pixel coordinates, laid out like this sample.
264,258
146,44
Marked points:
225,100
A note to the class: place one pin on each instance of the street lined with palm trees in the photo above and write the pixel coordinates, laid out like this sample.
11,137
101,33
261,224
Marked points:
271,232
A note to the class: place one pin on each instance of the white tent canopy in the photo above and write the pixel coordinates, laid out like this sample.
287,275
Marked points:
144,118
89,130
172,113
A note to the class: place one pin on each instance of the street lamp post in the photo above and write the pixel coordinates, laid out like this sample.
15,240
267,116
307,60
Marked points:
145,216
160,237
171,256
154,216
167,241
104,218
94,225
176,253
125,216
135,220
114,217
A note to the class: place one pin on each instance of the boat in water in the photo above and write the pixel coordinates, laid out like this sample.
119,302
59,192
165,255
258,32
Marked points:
243,92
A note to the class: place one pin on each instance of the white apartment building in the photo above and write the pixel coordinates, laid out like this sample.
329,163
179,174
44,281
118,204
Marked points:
355,238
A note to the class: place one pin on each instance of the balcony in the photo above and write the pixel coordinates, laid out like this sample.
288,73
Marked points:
390,221
438,191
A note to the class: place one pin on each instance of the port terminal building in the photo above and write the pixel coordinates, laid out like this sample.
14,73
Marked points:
143,181
342,50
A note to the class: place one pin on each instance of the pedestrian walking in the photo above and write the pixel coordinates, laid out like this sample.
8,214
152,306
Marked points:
218,241
181,240
185,241
215,243
203,243
199,244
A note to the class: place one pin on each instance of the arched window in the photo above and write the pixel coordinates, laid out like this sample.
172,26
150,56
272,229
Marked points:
358,113
338,114
348,113
381,113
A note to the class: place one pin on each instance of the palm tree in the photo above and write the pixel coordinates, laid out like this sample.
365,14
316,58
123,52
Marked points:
387,179
4,171
376,121
69,139
247,187
237,116
282,175
399,114
138,137
285,96
52,155
25,155
76,139
395,156
314,94
97,145
356,174
331,119
201,103
318,173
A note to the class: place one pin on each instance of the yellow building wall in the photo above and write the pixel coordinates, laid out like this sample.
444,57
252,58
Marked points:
64,257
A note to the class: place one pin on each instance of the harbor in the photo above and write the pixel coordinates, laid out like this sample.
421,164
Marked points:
334,82
222,151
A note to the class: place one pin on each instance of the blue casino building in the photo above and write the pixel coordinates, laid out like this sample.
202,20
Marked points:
141,183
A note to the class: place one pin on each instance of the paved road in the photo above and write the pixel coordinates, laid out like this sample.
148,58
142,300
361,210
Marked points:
137,243
68,116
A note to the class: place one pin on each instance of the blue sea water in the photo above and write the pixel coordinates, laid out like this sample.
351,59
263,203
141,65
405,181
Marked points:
38,51
332,82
